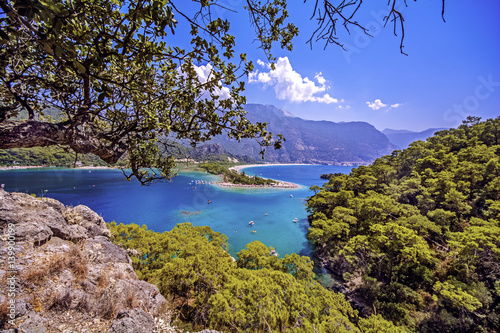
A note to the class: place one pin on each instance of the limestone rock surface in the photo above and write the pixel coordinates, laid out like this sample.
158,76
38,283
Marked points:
69,277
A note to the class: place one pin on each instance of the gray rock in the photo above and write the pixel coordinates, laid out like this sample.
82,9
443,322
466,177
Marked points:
35,220
33,324
134,321
103,251
22,307
85,280
57,205
83,216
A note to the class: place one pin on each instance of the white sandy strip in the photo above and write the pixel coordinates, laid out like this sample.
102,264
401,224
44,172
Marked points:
241,167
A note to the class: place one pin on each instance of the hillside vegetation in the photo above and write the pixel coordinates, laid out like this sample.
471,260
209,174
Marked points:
257,293
415,237
233,176
48,156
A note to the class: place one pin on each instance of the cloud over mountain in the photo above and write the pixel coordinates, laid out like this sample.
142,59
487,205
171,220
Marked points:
290,85
377,105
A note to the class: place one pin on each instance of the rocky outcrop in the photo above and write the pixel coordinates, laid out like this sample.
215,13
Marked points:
66,275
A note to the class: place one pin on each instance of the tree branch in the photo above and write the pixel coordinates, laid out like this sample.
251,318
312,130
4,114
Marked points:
27,134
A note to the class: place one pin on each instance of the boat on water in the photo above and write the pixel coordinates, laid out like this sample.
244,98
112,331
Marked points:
254,231
251,223
295,220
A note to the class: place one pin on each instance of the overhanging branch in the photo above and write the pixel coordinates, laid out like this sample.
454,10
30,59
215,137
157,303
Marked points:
28,134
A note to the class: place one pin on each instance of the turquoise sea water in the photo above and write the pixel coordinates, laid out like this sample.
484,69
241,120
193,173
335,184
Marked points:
162,205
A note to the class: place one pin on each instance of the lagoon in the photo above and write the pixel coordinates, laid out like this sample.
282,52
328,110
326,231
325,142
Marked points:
185,199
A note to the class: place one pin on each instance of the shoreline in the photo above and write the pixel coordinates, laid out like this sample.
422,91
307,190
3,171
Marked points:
280,184
244,166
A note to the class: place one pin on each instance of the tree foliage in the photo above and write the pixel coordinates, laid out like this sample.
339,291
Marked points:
110,67
124,84
233,176
415,237
259,292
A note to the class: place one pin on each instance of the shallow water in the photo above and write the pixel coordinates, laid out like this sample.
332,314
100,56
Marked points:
162,205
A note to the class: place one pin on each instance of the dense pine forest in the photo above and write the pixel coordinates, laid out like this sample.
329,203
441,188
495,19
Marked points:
415,237
259,292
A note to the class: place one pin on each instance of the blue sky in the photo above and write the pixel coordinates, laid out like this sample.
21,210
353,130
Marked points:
452,69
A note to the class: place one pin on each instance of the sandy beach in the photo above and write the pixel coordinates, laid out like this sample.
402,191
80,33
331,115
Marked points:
278,185
240,167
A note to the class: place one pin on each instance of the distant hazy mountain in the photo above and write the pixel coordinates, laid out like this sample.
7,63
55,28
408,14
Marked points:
402,138
308,141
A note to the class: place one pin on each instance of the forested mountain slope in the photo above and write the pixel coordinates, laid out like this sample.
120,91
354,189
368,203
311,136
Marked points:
415,237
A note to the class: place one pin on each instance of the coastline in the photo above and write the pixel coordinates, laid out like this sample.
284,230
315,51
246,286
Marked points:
244,166
280,184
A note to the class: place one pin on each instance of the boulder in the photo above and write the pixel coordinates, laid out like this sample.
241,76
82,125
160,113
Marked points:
135,321
36,220
70,276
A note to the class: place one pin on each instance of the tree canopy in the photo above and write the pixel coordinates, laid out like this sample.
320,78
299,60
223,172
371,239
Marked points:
259,292
415,237
123,85
120,84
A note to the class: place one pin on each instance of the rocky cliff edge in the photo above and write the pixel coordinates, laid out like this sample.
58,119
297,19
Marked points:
59,272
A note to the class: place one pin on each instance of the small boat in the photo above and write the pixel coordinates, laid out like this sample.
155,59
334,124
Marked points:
254,231
266,214
295,220
291,195
251,223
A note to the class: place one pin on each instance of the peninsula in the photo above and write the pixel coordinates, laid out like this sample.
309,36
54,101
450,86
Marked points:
233,178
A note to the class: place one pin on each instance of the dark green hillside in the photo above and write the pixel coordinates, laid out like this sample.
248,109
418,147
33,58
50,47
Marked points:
259,292
415,237
47,156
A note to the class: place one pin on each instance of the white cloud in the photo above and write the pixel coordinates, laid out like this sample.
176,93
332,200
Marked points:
289,85
204,72
261,63
319,77
376,105
325,99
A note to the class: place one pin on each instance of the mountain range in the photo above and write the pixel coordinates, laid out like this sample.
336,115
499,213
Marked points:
308,141
402,138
